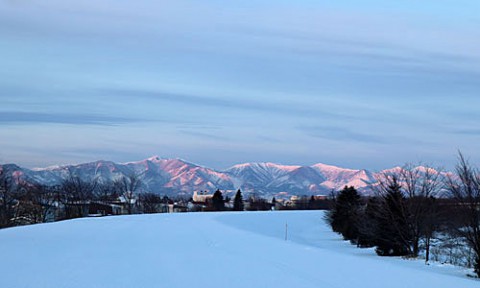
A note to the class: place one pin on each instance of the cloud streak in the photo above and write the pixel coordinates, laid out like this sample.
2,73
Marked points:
467,132
228,103
18,117
342,134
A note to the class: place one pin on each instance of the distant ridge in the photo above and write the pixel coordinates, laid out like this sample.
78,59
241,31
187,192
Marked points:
180,177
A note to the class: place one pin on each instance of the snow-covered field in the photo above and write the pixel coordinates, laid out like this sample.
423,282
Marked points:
204,250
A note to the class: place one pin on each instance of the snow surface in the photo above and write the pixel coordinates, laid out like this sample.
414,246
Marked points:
204,250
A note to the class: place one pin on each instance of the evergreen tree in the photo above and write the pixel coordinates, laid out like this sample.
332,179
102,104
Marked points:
367,223
312,203
238,201
217,201
393,236
344,215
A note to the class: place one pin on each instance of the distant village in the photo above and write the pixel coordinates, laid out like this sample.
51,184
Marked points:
201,201
24,203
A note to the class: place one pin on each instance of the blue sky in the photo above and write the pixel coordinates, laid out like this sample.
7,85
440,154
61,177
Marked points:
361,84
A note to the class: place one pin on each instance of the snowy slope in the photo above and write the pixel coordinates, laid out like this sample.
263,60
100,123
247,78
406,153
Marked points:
337,178
276,178
204,250
260,172
179,175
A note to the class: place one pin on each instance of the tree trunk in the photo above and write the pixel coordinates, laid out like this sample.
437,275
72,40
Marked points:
415,246
427,249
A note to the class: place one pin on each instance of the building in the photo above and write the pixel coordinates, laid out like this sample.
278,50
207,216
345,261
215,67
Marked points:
202,198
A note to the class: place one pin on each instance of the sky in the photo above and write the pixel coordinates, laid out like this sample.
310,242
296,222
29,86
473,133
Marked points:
360,84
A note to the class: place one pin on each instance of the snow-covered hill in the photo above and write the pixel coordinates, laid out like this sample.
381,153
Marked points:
176,176
233,250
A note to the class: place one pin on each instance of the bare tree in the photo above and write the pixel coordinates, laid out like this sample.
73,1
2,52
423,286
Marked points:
49,198
106,192
409,211
421,184
27,209
77,194
77,189
431,224
464,187
127,186
150,202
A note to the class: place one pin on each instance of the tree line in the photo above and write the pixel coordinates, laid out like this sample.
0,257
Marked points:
25,203
409,206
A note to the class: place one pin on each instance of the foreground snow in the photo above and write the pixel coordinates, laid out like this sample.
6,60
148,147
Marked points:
204,250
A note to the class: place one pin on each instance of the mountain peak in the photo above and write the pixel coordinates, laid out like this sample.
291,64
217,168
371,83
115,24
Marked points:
322,166
154,158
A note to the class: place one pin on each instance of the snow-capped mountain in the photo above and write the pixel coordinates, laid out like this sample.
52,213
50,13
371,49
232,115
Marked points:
176,176
337,178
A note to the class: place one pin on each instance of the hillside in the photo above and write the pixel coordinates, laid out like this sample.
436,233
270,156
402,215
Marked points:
204,250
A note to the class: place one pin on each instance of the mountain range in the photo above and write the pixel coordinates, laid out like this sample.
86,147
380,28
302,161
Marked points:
180,177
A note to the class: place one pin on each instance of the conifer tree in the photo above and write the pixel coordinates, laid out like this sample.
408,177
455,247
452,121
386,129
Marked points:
217,201
238,201
367,223
393,236
344,215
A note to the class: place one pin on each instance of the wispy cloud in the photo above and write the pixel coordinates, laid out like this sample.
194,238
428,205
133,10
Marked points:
389,139
207,136
19,117
341,134
467,131
378,50
229,103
